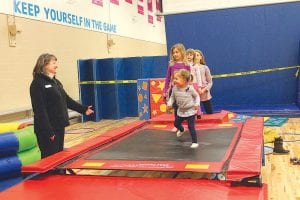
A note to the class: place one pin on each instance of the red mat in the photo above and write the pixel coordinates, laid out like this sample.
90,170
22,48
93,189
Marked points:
246,160
116,188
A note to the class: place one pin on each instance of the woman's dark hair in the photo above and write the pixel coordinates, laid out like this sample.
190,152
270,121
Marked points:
41,62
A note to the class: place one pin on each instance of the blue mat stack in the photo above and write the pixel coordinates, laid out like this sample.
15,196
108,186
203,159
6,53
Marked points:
17,148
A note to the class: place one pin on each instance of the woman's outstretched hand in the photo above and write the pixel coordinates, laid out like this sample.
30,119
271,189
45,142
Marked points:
89,110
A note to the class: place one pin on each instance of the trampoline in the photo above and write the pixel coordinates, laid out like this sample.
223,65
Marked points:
155,149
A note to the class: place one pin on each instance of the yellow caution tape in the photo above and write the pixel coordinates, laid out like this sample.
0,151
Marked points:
214,76
107,82
256,72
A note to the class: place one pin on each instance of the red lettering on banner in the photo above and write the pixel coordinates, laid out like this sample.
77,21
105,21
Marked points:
158,8
98,2
150,13
150,19
150,7
114,2
140,7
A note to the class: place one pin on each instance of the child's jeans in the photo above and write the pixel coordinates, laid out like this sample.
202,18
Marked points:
191,126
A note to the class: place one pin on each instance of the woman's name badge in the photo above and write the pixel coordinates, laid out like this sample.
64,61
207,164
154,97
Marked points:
48,86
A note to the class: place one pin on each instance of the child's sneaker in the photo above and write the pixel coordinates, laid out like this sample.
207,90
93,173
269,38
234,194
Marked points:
194,145
179,133
174,129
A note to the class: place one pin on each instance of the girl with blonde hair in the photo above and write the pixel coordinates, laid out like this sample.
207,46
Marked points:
206,80
195,74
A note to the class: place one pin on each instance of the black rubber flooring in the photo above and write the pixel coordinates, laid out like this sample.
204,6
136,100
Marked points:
164,145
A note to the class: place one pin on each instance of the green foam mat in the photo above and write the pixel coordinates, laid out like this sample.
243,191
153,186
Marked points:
29,156
27,138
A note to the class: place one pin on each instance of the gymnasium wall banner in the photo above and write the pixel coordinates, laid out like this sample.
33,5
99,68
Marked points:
170,7
117,17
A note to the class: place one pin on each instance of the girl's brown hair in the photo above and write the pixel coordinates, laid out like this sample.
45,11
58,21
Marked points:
202,61
184,74
41,62
180,47
190,51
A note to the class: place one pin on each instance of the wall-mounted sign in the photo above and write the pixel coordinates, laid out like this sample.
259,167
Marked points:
118,17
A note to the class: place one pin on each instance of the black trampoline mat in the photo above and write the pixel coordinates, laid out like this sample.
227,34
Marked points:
164,145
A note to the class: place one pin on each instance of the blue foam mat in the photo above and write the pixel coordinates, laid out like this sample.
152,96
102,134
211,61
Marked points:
276,121
291,110
6,183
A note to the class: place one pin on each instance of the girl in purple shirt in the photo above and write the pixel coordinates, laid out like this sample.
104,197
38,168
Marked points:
177,61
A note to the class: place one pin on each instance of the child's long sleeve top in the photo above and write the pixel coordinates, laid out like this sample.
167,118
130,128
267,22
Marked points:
171,70
206,82
186,99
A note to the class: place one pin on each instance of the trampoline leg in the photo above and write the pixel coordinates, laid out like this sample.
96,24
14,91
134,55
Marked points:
71,171
218,176
254,181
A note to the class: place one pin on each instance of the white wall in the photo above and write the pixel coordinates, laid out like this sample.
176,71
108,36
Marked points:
68,43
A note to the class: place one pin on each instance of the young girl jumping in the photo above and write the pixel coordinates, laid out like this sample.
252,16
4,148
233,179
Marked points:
187,100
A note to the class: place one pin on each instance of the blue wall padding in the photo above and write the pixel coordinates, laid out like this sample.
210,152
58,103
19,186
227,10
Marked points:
129,69
245,39
106,69
154,66
114,101
298,80
127,100
10,167
143,96
298,91
85,70
117,99
88,96
9,143
148,67
109,100
88,92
